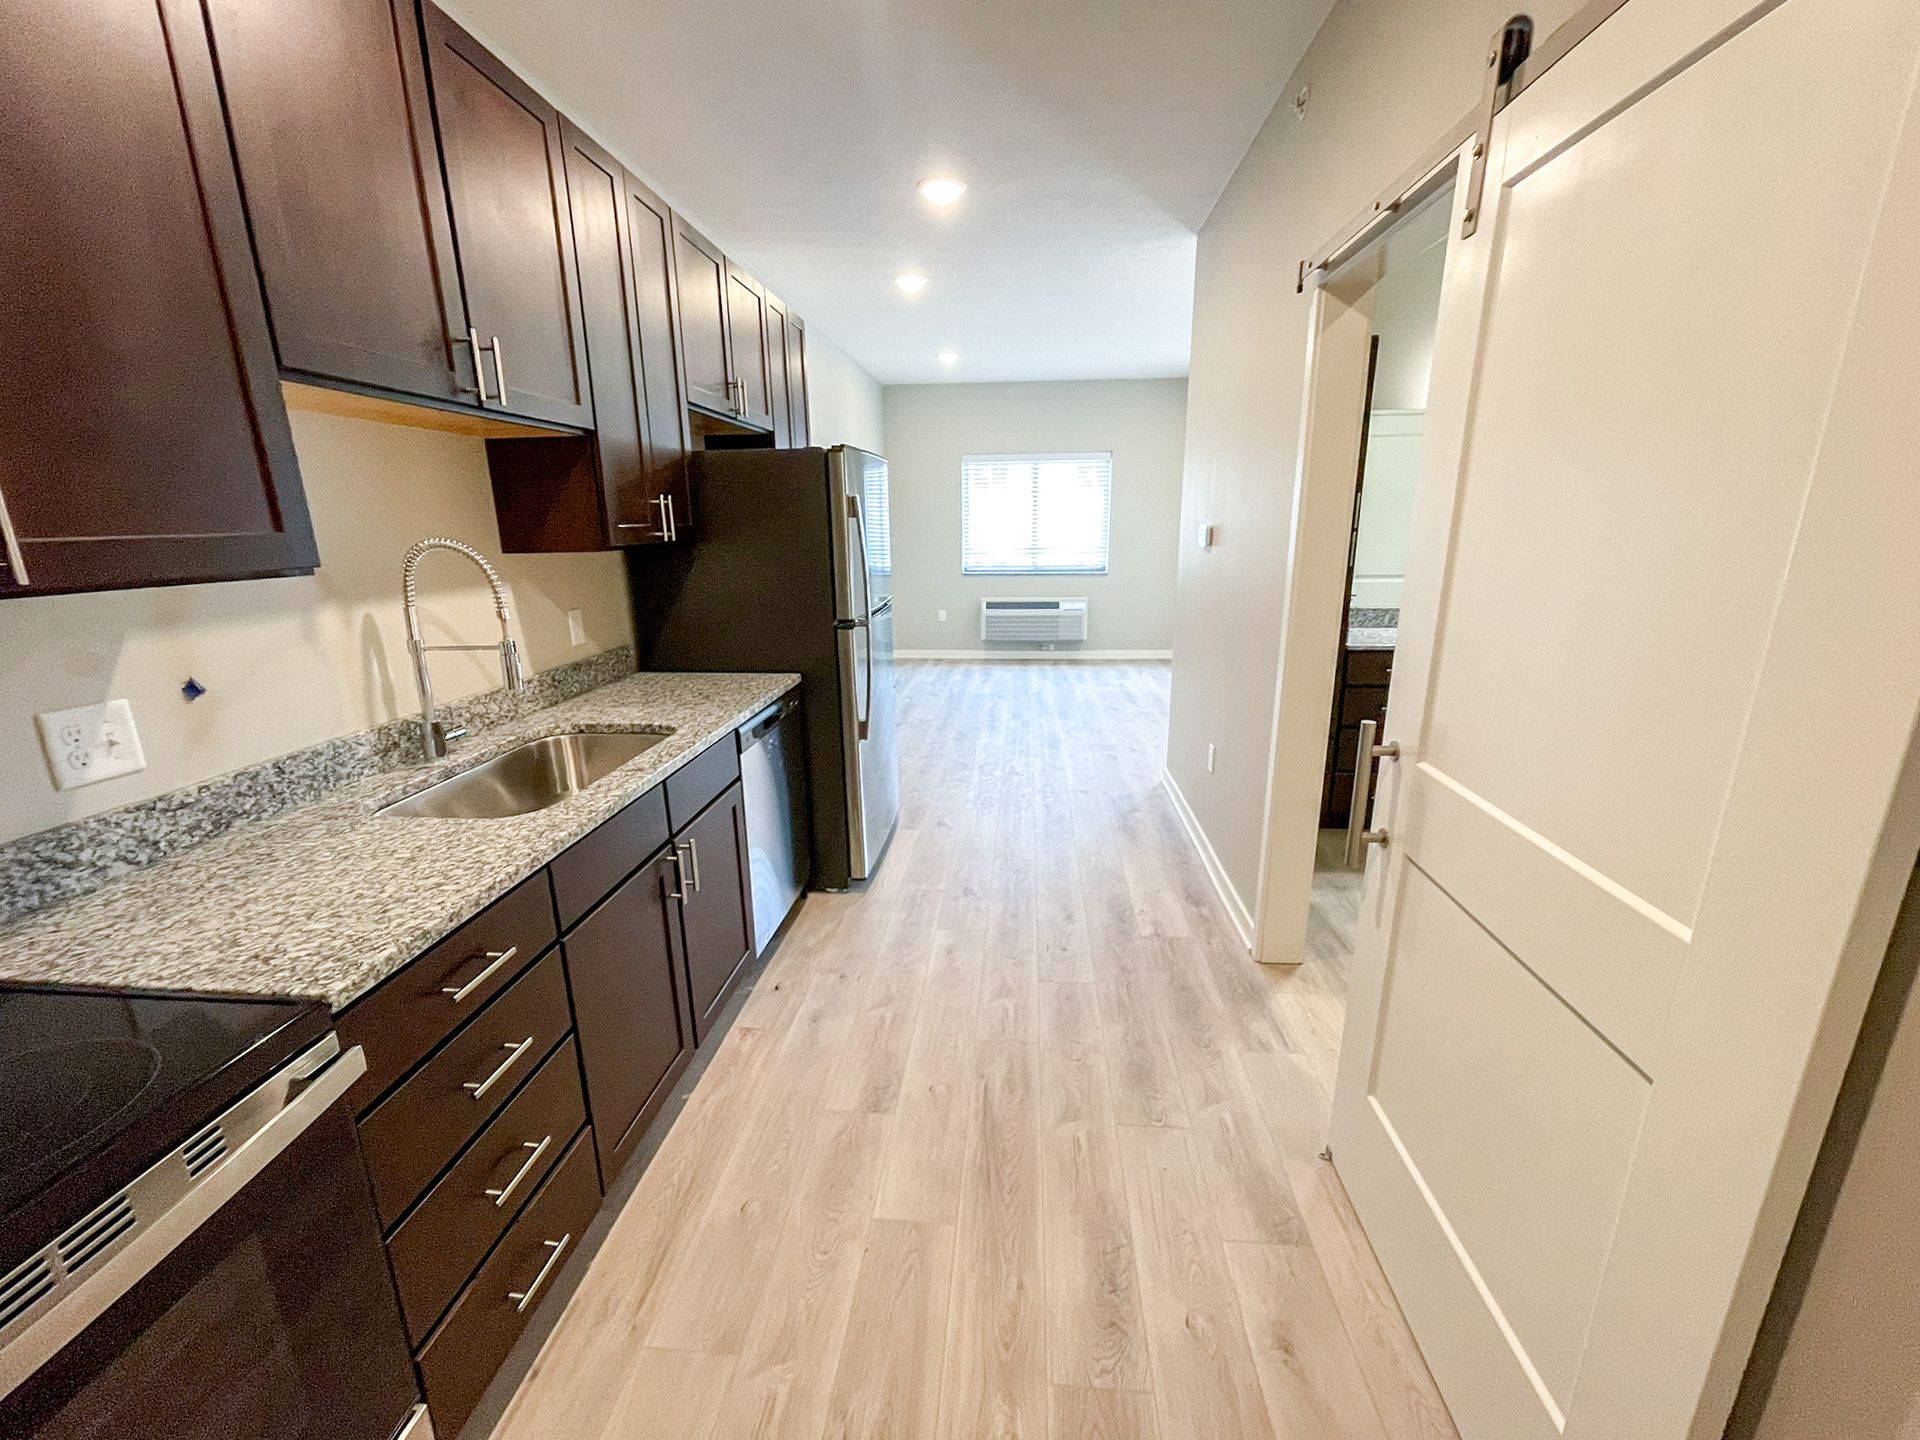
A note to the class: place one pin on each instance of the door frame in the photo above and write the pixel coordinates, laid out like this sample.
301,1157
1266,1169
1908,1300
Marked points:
1333,430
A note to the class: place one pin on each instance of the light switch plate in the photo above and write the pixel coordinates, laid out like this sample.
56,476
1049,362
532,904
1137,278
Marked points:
90,743
576,627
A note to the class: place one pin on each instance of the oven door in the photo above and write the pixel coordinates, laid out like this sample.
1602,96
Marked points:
256,1306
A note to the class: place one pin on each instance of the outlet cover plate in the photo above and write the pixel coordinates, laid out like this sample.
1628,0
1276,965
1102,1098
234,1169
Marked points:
90,743
576,628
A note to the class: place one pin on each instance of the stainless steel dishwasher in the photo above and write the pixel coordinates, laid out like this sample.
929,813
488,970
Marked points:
773,785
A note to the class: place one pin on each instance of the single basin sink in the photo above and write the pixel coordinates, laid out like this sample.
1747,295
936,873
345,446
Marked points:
526,778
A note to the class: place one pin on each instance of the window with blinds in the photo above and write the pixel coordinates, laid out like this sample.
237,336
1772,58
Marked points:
1035,514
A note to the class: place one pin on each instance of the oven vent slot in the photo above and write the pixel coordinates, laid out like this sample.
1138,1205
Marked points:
95,1233
204,1150
24,1289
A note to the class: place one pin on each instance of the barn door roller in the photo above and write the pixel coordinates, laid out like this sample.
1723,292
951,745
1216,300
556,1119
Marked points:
1507,52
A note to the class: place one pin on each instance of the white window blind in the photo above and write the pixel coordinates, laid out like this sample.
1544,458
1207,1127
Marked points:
1035,514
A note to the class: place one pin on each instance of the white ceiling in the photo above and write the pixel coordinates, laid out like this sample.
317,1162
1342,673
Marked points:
1095,136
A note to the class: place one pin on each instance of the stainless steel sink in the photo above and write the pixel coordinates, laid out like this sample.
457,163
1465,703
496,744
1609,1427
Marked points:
526,778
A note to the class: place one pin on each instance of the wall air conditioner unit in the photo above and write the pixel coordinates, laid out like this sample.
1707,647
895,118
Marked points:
1033,622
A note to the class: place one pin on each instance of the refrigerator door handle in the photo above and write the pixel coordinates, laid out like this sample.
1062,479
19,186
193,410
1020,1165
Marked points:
866,623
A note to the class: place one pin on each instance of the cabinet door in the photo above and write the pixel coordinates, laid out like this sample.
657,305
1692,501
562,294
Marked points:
621,963
717,910
777,342
662,366
143,439
505,165
802,423
747,345
701,272
327,104
596,191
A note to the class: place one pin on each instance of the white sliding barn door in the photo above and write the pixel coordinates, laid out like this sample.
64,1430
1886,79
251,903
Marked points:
1658,678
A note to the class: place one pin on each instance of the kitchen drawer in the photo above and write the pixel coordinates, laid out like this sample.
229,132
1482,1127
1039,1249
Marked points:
414,1132
589,870
457,1221
464,1352
420,1005
1362,702
1369,667
692,787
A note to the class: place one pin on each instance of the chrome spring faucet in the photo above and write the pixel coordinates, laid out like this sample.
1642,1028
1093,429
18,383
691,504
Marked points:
434,737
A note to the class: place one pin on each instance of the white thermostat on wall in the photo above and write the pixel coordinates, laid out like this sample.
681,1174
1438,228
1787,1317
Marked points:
90,743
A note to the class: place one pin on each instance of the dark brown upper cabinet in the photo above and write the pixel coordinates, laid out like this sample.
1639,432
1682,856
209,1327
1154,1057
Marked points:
701,274
787,351
749,333
624,484
327,104
505,162
143,437
778,329
802,422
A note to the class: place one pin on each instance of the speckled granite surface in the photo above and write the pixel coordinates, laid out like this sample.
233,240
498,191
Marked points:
53,865
1371,637
329,899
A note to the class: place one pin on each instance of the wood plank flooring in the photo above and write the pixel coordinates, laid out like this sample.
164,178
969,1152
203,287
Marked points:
1015,1142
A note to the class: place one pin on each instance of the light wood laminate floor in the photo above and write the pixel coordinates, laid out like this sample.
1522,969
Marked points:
1017,1141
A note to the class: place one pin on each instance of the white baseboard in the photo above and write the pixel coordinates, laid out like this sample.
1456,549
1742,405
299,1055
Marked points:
1033,654
1236,908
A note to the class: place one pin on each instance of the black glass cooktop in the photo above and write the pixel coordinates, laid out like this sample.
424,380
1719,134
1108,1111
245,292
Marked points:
96,1085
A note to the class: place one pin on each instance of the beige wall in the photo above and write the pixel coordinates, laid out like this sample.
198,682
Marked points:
930,427
843,400
289,663
1387,78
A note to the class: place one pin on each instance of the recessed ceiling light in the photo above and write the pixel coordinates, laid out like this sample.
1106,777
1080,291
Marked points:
949,357
942,189
911,283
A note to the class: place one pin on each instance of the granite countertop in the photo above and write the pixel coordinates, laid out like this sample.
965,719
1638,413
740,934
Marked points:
1371,637
329,899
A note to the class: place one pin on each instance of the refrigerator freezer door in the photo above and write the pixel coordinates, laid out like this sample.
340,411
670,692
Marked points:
868,724
862,532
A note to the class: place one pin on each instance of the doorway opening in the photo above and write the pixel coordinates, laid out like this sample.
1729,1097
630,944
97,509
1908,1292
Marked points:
1372,358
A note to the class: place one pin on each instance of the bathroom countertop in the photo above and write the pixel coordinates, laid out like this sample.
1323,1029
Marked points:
328,899
1371,637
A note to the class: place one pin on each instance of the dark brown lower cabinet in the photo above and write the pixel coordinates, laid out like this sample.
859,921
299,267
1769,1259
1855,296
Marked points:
143,437
623,962
465,1350
717,910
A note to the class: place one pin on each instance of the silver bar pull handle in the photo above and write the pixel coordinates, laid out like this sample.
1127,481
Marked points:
500,370
673,520
539,1148
481,1087
679,892
693,852
524,1298
10,538
666,520
1358,835
479,366
494,958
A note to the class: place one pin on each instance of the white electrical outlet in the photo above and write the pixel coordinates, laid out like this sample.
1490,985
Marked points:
943,617
576,627
1209,758
90,743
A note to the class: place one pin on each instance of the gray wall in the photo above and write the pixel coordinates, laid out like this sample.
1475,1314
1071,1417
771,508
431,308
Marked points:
930,427
1388,78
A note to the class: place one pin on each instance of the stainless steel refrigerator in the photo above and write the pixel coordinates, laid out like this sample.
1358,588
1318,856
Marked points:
791,568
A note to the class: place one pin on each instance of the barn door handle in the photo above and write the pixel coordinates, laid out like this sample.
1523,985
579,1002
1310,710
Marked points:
1358,835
